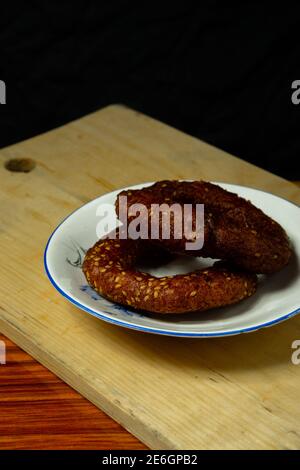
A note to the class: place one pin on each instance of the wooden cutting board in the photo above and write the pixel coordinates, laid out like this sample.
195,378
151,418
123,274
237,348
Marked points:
235,392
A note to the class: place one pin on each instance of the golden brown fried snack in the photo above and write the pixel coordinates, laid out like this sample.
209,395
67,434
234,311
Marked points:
110,268
235,229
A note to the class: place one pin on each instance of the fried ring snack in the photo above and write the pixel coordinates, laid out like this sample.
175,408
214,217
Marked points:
235,229
110,268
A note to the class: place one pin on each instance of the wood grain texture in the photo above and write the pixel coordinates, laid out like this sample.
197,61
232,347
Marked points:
39,411
236,392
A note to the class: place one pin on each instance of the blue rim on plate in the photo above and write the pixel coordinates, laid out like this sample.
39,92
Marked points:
124,324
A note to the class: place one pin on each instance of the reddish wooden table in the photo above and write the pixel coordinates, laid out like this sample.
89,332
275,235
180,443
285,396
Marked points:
39,411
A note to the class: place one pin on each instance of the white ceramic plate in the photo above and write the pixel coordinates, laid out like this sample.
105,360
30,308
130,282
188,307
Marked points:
277,298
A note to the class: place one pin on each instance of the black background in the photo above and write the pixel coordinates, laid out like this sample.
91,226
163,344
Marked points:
221,71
